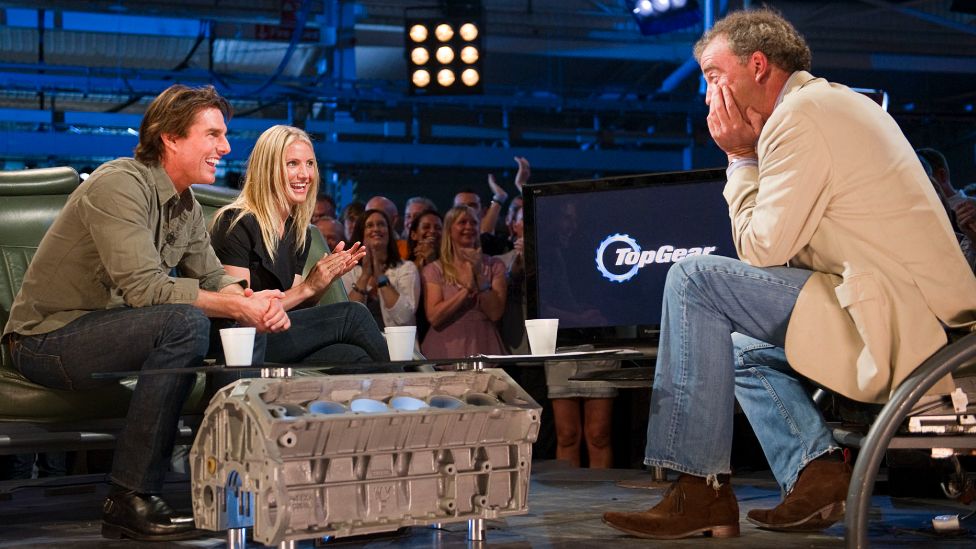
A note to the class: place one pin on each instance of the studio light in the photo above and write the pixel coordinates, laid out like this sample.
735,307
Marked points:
470,77
419,56
662,16
445,77
444,32
469,54
418,33
468,32
421,78
445,54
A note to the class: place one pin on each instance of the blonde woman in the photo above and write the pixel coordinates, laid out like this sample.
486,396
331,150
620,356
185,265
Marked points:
264,237
464,292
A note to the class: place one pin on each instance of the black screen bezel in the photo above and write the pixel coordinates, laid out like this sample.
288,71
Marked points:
622,335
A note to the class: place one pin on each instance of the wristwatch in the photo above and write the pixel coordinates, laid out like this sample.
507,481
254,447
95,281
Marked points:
382,281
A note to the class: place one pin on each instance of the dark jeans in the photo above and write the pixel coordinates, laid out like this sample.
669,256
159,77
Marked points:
337,333
21,466
114,340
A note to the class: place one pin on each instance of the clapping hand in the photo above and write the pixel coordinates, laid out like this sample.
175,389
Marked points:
522,177
425,250
334,265
498,194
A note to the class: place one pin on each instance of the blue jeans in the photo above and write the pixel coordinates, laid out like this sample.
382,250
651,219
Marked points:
122,339
788,425
706,299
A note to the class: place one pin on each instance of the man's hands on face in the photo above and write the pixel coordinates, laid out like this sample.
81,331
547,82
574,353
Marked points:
263,310
734,132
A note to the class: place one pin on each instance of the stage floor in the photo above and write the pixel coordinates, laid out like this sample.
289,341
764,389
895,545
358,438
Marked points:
565,506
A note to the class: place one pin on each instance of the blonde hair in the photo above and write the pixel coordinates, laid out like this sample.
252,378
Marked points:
264,193
447,243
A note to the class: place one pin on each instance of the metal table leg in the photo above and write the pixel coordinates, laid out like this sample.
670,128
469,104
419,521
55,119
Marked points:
236,538
476,530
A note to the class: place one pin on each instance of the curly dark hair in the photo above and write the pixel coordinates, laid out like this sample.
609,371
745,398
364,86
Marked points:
763,30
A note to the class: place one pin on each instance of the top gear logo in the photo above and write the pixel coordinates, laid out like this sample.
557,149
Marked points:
630,258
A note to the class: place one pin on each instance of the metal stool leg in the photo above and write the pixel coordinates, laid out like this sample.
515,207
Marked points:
942,363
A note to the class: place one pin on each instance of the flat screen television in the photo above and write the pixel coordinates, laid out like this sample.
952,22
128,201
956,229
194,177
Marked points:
597,251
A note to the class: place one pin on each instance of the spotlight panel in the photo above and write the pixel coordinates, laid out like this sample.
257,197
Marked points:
444,55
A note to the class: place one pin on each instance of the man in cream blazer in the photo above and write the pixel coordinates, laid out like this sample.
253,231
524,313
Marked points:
847,261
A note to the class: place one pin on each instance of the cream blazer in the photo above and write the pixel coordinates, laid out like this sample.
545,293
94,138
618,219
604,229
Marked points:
840,191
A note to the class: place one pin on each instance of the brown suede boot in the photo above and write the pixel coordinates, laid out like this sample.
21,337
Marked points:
690,507
816,501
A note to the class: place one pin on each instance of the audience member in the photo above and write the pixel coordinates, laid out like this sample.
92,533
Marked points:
822,178
963,208
423,247
389,208
512,325
582,411
325,206
464,292
414,206
333,231
100,295
424,240
965,238
350,214
490,243
263,237
386,284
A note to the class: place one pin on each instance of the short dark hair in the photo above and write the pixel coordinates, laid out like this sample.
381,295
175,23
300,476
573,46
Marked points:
763,30
173,112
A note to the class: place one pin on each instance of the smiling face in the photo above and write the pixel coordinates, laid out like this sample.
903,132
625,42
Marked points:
464,231
300,172
375,231
194,158
430,226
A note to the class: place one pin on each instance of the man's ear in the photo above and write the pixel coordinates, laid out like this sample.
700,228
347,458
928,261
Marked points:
759,64
169,141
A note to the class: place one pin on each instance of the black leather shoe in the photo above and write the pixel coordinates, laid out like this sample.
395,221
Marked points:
143,517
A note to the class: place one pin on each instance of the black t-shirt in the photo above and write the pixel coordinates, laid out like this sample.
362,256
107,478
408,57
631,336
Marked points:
243,247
